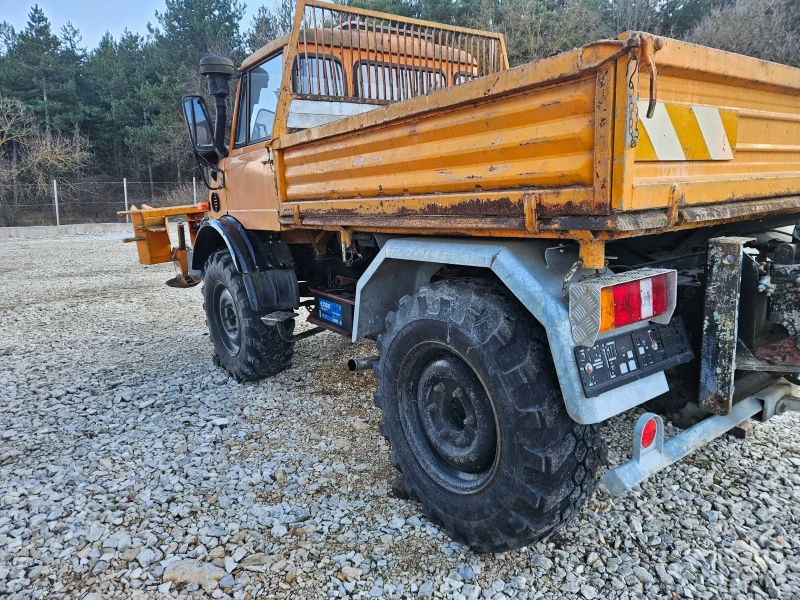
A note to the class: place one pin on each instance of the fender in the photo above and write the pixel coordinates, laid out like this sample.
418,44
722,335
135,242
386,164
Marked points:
263,259
405,264
228,232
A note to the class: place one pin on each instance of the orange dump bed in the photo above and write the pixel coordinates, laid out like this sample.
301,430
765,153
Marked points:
620,137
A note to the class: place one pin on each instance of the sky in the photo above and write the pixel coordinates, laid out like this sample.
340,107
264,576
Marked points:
94,17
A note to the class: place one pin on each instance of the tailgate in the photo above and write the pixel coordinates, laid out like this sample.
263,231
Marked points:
725,127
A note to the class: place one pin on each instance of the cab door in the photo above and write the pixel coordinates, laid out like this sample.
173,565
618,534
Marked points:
250,186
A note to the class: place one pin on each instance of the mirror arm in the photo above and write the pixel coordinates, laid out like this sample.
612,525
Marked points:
204,164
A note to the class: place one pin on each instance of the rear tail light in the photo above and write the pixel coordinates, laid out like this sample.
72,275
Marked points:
627,303
611,302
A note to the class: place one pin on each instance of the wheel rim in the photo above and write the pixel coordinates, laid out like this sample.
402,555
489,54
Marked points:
227,320
448,419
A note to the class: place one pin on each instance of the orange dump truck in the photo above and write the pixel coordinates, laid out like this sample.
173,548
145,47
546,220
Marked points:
535,249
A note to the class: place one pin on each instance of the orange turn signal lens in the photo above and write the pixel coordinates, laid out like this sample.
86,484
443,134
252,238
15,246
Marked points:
606,309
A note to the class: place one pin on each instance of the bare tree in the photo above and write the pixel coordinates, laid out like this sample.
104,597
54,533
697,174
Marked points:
30,159
535,29
634,15
766,29
15,121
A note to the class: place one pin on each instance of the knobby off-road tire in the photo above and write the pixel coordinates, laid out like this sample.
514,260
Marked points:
473,411
247,348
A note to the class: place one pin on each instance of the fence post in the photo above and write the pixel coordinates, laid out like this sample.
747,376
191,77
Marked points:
194,189
55,198
125,192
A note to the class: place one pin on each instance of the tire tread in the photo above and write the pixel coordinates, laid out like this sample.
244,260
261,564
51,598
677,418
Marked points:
560,475
263,352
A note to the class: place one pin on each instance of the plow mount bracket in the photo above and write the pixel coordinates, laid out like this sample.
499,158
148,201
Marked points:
153,244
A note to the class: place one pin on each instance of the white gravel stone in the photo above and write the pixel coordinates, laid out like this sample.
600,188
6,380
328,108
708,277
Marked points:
133,468
279,531
147,556
239,554
230,564
189,571
588,592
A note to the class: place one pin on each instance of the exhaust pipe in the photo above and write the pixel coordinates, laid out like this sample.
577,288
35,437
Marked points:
354,365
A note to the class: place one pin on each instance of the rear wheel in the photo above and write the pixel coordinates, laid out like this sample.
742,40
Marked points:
474,414
247,348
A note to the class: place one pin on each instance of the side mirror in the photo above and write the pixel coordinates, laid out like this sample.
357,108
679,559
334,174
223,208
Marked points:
201,133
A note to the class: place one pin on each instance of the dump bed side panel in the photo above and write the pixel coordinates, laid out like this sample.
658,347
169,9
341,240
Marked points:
487,147
555,147
541,138
726,128
490,155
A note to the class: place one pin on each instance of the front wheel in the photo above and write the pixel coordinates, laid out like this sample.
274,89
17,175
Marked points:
474,414
247,348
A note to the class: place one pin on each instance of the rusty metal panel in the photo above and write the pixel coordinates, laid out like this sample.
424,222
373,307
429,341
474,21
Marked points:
535,139
779,357
603,139
625,131
478,205
720,323
735,211
510,132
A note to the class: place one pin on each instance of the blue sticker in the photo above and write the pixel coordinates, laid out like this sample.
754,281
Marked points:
330,311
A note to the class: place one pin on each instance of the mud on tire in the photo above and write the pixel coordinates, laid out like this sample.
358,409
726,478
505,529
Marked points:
247,348
474,415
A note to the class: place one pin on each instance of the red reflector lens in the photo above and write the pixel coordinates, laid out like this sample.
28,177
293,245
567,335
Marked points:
659,295
648,433
627,304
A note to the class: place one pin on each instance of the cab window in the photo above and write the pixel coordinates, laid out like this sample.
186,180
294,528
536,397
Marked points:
263,85
463,77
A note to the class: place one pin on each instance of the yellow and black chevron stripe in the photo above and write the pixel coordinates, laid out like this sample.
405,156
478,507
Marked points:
686,132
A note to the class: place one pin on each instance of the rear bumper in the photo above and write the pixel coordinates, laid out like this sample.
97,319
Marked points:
774,399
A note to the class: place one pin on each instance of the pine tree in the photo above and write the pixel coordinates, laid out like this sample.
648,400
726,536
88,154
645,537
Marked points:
41,70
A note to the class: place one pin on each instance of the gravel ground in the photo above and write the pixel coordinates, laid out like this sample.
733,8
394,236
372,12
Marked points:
131,467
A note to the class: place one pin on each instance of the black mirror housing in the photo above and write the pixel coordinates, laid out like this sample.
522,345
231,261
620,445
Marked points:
202,137
198,122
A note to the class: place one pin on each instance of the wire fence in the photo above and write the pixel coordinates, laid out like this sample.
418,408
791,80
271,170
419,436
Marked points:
64,203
